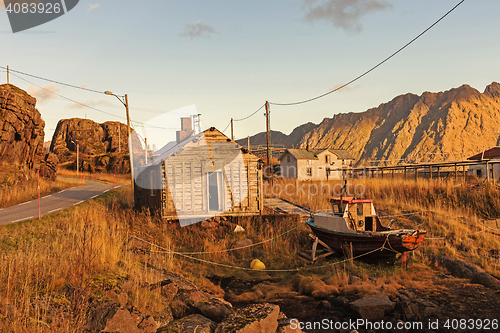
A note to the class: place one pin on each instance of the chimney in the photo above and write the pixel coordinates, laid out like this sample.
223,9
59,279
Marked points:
186,129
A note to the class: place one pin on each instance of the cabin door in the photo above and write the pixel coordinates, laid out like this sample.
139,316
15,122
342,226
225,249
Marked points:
213,191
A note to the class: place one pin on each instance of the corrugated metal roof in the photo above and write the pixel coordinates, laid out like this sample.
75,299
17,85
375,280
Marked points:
490,153
304,154
342,154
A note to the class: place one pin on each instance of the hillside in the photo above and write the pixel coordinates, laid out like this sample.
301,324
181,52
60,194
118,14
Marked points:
449,125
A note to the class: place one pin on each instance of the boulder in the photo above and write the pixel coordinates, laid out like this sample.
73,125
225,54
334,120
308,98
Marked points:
373,307
198,302
21,128
465,270
189,324
254,318
111,318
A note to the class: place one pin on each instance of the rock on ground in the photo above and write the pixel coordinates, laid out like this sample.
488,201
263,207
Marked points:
189,324
255,318
373,307
465,270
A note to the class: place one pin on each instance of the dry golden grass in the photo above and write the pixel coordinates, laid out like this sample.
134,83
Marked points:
98,176
51,267
16,191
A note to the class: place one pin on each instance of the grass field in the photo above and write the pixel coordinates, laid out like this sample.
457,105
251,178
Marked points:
52,268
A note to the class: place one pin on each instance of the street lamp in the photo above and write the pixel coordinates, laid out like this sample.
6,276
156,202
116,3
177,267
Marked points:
124,101
77,153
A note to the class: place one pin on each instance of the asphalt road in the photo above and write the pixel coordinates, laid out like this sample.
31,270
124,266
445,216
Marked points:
54,202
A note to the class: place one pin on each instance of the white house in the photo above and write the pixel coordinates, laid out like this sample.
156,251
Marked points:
479,170
320,164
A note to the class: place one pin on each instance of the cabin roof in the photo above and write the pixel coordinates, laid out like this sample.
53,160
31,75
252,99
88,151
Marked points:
349,200
490,153
172,148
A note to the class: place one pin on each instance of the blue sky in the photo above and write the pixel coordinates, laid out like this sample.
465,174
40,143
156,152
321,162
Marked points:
229,57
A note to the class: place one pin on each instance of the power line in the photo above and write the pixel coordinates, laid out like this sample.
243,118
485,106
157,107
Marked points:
250,115
374,67
53,81
91,107
226,126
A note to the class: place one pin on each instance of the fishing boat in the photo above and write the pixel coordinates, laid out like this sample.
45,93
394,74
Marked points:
353,228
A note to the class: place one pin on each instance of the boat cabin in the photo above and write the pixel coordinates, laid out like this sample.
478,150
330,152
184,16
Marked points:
350,215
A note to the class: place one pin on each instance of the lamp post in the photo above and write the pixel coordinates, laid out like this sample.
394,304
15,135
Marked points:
124,101
77,157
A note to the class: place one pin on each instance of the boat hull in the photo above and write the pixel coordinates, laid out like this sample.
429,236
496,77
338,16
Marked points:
370,247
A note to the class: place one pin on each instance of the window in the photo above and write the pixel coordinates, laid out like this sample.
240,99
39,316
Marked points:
359,209
308,162
309,171
327,159
288,158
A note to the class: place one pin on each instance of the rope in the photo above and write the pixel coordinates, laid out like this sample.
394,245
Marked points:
219,251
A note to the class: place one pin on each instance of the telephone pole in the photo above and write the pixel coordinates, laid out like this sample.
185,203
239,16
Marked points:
268,136
7,74
232,133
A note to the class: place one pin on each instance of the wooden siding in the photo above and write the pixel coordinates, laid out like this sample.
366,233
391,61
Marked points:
184,178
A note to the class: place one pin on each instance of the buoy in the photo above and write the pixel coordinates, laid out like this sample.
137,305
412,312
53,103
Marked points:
257,264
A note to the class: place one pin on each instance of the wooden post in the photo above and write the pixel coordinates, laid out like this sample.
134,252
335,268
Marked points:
463,171
232,133
405,172
455,171
487,172
39,209
416,173
382,172
268,139
438,173
8,74
131,157
430,171
119,138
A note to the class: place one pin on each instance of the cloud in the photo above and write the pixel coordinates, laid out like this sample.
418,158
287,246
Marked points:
43,94
197,30
101,102
343,14
92,7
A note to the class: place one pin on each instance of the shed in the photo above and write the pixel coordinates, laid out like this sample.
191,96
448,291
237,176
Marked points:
200,177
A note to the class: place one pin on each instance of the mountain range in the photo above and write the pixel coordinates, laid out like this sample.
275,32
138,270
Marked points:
443,126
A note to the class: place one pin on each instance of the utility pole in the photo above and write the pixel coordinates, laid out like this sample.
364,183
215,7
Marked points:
248,143
268,135
232,133
7,74
146,144
130,145
119,138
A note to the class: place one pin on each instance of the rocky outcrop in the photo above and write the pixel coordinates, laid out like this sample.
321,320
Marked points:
449,125
102,147
21,128
465,270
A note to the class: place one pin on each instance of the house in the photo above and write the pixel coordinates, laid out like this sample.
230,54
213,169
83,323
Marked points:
479,170
200,176
320,164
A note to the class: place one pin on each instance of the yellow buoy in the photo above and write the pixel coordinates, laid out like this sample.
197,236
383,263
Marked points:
257,264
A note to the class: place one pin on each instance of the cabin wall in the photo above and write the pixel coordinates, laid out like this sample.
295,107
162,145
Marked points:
185,179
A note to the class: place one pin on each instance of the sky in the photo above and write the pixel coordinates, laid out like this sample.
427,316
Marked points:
226,58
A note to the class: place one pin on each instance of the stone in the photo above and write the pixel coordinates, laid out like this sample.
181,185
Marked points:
254,318
111,318
21,128
189,324
373,307
243,243
209,225
284,325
